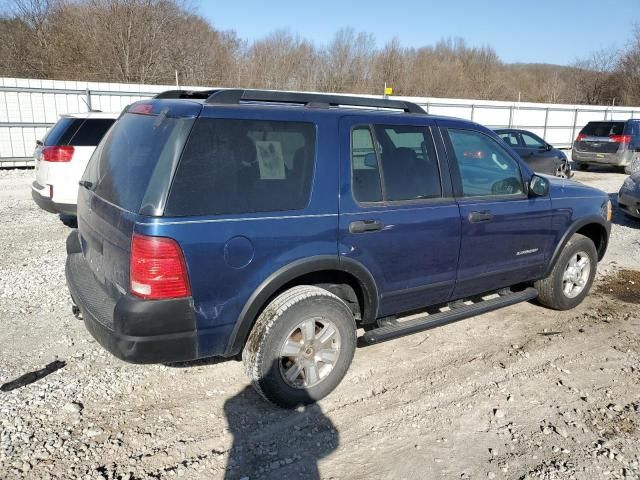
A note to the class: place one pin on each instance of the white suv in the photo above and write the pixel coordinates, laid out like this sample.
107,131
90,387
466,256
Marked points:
62,156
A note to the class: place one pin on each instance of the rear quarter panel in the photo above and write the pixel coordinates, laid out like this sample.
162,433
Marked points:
228,257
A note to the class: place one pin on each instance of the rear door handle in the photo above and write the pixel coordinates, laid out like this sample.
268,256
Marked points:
363,226
483,216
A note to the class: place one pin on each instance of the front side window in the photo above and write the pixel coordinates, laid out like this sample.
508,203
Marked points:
531,141
243,166
405,160
485,167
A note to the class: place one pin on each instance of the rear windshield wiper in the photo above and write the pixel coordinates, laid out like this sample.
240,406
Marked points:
86,184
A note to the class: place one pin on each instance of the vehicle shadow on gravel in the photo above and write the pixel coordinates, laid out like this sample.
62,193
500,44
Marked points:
619,217
32,377
274,443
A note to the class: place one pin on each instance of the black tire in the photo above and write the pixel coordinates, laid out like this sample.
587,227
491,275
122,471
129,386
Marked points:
70,221
582,166
261,355
550,290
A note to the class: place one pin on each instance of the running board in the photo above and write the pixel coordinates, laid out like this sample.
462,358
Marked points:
425,322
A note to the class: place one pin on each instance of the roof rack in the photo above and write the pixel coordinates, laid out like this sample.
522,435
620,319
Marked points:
314,100
194,94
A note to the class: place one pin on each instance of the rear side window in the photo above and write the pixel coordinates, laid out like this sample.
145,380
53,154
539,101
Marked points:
62,131
91,132
603,129
405,161
243,166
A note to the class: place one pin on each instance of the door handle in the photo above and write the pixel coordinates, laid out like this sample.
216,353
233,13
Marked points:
483,216
363,226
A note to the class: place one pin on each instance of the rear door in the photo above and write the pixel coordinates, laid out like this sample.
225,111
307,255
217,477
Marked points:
397,214
505,235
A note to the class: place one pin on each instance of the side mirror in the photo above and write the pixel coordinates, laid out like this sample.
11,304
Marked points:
548,148
538,186
39,143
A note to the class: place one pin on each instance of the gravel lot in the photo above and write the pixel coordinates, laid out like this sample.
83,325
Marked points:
524,392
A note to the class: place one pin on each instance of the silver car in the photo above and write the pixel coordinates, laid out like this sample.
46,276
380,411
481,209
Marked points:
609,143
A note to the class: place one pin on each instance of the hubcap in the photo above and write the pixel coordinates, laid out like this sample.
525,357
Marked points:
309,352
576,275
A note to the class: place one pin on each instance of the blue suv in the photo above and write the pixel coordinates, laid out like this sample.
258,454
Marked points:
272,225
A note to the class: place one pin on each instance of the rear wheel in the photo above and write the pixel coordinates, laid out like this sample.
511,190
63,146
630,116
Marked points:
572,275
300,347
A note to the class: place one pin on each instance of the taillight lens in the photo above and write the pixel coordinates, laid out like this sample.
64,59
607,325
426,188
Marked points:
58,153
621,138
158,270
580,137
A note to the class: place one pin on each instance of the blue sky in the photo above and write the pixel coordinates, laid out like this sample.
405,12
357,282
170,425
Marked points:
546,31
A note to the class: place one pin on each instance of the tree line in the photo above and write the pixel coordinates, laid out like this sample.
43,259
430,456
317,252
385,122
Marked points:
147,41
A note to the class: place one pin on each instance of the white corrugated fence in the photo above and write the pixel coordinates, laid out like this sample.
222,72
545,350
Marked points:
28,107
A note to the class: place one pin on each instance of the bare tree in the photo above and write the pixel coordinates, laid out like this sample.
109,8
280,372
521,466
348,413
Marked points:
149,40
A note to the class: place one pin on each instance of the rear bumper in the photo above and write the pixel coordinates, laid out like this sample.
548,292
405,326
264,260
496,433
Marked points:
132,329
629,203
48,205
619,159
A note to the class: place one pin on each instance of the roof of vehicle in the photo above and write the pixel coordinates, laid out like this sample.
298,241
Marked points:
92,114
318,103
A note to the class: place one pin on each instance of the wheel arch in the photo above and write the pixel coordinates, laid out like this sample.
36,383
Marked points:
595,228
319,270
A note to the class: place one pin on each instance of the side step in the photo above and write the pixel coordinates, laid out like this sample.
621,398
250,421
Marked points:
425,322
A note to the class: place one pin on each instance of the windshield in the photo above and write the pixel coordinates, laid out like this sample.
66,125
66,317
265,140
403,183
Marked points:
133,164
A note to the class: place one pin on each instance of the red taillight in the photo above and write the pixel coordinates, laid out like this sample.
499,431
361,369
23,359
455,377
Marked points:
621,138
158,269
580,137
141,108
57,153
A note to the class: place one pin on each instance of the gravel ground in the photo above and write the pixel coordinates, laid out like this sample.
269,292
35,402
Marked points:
523,392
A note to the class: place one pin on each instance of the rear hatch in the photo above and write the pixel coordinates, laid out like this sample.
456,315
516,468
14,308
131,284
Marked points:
127,180
600,137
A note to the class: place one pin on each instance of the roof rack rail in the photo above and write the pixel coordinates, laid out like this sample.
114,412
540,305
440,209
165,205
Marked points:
194,94
317,100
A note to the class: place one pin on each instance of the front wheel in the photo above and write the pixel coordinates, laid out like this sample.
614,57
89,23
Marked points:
572,275
300,347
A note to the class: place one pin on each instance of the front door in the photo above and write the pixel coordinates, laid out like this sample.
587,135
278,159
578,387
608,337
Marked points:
397,215
537,154
506,235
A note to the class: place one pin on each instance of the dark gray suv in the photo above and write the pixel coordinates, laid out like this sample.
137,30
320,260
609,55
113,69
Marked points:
612,143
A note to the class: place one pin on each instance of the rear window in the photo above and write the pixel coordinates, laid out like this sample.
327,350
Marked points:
80,132
91,132
133,165
243,166
603,129
62,131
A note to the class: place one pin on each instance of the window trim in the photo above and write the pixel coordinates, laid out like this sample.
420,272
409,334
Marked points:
456,177
428,132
